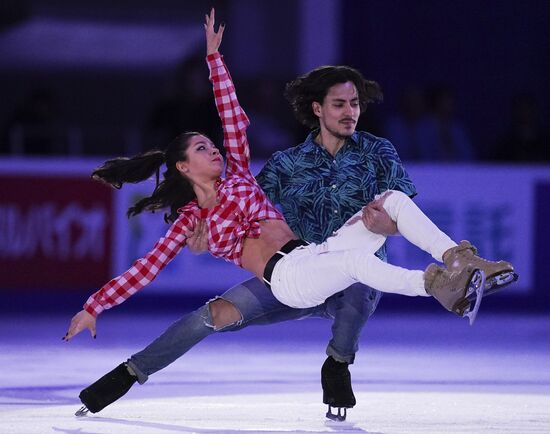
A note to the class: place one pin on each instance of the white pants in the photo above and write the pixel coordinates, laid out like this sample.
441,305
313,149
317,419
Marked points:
310,274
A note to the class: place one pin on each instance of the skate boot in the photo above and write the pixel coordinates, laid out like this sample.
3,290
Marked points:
497,273
106,390
337,391
456,290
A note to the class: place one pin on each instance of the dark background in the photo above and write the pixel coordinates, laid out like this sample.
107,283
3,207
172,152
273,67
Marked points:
105,86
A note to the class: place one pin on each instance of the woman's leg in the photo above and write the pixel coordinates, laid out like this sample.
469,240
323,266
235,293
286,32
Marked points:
247,303
309,275
412,223
415,226
250,302
418,229
353,235
306,278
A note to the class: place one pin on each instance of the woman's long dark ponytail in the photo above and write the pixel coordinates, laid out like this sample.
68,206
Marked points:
123,170
173,192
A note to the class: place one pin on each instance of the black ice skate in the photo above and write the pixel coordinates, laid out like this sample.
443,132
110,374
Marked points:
106,390
337,391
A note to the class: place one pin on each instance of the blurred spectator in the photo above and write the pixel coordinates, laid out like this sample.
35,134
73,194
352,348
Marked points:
267,132
525,138
189,106
12,12
36,127
443,136
405,129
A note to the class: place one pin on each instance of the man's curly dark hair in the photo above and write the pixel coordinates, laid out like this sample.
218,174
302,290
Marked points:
314,86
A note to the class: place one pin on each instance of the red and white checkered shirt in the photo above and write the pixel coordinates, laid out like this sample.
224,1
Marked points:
241,205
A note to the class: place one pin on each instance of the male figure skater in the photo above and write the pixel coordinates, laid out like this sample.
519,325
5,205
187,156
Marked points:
319,185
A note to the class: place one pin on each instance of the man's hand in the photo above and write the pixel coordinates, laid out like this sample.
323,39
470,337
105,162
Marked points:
197,240
82,320
213,38
376,219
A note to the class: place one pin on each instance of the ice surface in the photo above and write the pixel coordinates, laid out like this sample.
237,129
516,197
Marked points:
413,374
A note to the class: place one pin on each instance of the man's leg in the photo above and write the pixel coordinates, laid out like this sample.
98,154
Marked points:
350,309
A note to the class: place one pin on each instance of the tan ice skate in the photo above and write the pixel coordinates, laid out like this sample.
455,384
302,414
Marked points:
497,273
456,290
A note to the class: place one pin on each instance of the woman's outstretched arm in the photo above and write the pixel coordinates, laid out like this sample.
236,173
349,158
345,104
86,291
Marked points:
140,274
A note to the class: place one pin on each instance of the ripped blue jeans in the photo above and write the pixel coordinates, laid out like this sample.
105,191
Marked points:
349,310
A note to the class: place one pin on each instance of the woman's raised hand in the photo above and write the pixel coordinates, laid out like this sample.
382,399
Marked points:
213,38
82,320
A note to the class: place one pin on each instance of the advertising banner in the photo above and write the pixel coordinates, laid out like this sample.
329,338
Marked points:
58,229
54,231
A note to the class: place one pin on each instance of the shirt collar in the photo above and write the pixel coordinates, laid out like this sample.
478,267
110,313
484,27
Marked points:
193,205
310,145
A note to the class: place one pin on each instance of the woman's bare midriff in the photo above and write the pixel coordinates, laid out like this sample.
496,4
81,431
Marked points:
257,251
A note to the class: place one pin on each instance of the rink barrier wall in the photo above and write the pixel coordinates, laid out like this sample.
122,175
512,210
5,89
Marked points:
61,233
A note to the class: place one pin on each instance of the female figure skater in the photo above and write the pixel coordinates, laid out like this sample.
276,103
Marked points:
246,229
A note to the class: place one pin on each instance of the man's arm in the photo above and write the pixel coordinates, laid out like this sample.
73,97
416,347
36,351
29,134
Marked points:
390,172
391,175
269,178
197,239
377,220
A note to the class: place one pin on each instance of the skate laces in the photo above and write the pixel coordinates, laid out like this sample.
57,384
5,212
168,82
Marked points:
465,246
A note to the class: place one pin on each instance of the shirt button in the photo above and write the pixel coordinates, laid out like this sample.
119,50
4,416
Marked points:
335,211
333,186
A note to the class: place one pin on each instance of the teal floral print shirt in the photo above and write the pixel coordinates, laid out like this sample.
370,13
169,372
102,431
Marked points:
318,193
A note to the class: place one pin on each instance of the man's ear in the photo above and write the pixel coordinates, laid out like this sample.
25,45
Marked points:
317,109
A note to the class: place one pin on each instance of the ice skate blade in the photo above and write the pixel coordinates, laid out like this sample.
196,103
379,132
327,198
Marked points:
338,417
477,287
82,411
498,282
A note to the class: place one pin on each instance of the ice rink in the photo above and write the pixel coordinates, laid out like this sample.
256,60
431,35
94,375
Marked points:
413,374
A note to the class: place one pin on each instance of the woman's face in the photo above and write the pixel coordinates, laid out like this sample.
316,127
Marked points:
204,160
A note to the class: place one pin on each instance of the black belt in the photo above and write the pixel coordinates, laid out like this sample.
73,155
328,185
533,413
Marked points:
287,248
